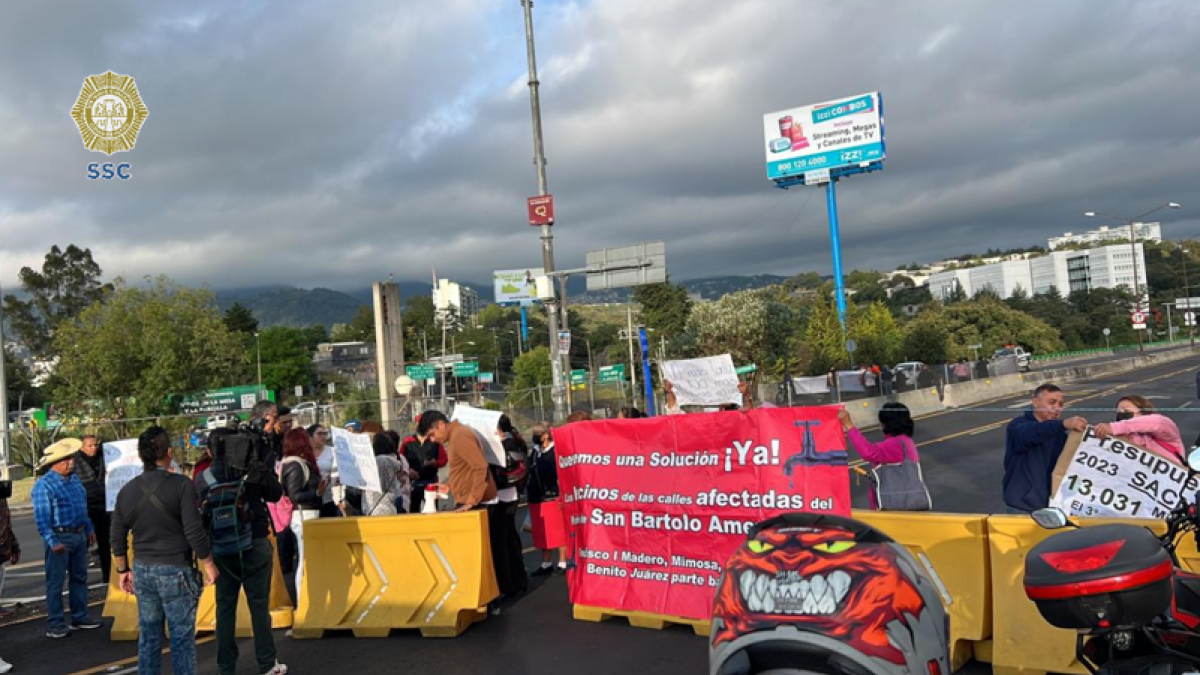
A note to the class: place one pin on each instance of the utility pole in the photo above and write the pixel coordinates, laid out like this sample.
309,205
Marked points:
539,161
5,445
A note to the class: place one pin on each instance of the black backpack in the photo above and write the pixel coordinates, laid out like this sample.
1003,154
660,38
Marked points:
223,502
515,472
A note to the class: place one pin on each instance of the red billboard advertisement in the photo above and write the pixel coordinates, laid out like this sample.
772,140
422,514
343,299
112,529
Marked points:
541,210
656,506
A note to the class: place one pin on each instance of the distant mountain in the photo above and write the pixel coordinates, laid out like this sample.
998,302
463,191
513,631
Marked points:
289,306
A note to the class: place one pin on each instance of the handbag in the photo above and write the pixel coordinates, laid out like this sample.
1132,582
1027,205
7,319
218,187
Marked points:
901,486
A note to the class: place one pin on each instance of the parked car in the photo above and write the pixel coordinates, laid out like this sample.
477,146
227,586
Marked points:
305,406
218,420
1024,358
906,374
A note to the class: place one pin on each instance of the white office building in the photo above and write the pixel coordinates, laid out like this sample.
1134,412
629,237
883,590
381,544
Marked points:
463,299
1144,232
942,284
1067,271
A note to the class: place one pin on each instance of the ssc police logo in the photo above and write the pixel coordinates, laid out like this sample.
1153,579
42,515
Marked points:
109,113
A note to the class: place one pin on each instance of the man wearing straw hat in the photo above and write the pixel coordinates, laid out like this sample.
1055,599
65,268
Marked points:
60,509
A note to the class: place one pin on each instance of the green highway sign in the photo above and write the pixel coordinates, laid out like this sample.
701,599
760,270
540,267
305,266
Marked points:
421,371
228,399
609,374
468,369
578,377
745,369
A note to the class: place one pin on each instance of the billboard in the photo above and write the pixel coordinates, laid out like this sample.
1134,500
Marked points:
516,287
825,136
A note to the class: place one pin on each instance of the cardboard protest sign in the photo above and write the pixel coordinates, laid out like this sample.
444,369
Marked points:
656,506
355,460
708,381
484,423
121,465
1117,479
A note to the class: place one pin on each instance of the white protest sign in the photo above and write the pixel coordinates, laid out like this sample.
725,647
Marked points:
708,381
121,465
355,460
810,385
1113,478
484,423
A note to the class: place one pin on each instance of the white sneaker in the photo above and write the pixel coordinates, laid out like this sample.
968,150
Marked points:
279,669
5,666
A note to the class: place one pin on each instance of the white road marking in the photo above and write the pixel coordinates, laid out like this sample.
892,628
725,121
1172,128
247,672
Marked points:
39,598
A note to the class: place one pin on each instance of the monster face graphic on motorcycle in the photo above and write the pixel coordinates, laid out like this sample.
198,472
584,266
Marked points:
822,580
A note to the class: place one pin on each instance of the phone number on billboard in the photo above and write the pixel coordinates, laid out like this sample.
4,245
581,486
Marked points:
849,156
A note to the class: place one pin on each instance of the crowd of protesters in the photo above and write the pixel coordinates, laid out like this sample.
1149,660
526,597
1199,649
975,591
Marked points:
291,478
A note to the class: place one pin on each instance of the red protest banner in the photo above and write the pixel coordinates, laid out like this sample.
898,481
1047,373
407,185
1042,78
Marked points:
656,506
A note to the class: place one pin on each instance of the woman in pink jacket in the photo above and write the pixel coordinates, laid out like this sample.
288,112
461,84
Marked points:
1141,424
896,423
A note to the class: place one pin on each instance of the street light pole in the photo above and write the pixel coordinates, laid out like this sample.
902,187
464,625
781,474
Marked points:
1133,250
258,346
1187,294
539,161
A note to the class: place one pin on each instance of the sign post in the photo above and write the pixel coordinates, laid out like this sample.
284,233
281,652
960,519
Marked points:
646,371
819,144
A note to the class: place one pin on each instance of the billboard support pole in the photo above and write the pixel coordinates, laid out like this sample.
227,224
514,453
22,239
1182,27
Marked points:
524,323
835,240
646,371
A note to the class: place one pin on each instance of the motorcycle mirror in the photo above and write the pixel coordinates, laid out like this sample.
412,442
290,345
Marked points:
1194,459
1052,518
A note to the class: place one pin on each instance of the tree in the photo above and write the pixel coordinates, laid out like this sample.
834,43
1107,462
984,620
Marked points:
752,326
360,329
19,382
875,331
68,284
665,307
286,358
419,317
532,369
926,341
825,339
239,319
128,353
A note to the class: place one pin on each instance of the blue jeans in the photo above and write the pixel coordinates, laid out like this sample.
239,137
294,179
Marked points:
166,593
70,565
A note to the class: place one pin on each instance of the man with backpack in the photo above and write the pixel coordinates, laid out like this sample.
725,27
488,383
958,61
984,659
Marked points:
234,492
510,479
159,507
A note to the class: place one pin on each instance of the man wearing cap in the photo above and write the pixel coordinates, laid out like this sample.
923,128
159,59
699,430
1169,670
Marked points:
60,510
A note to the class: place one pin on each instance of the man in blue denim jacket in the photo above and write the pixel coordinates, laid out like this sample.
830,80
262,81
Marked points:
60,510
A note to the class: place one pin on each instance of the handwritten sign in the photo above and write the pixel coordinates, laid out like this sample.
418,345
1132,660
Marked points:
708,381
1115,478
121,465
355,460
484,423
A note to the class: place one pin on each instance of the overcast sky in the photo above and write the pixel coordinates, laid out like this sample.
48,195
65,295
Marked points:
330,144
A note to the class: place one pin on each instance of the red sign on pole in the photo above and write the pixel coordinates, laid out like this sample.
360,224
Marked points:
541,210
1138,317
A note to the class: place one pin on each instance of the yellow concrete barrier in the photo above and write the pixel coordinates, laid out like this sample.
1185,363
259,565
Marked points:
1023,642
122,607
953,549
432,572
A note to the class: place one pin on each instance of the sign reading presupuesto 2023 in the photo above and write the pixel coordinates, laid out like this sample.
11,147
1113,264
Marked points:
656,506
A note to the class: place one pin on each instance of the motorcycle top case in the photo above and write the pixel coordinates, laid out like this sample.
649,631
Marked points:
1099,578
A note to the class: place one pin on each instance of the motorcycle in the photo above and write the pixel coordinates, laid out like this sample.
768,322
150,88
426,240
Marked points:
1120,587
810,593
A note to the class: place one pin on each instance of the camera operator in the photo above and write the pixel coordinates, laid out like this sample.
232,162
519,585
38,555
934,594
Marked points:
244,465
272,423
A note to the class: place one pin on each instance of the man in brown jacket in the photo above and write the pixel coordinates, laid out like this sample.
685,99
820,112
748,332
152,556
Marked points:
471,482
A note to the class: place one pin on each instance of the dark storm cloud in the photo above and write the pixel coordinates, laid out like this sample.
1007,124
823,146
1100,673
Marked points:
330,144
